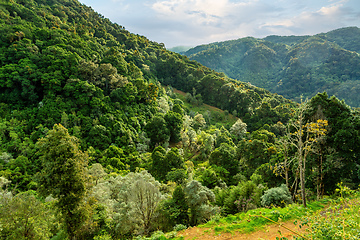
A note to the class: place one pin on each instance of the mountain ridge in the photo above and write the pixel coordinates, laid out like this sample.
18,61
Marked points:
293,66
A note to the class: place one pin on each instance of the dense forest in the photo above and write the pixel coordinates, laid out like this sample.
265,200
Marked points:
95,142
293,66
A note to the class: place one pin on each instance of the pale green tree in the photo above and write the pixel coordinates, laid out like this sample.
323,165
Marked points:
238,129
131,202
198,122
199,198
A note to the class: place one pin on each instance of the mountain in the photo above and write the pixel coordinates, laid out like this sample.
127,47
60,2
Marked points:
293,66
179,49
59,57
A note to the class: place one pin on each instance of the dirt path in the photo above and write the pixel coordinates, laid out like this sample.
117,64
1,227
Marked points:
270,232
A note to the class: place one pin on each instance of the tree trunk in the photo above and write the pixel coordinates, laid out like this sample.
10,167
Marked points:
302,179
286,174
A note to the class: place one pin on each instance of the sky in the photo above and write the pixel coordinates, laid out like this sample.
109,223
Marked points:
196,22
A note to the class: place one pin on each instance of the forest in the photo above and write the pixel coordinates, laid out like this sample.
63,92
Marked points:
97,143
293,66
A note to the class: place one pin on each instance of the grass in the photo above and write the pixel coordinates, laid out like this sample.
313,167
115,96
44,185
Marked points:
257,219
216,115
340,220
328,218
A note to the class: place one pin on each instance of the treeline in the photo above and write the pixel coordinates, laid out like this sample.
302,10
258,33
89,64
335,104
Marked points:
96,145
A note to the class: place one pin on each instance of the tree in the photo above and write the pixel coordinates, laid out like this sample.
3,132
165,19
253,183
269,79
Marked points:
225,156
304,138
174,124
163,163
138,196
338,151
199,198
238,129
157,130
198,122
63,175
24,217
177,207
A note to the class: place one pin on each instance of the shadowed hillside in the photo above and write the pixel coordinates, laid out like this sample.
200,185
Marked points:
293,66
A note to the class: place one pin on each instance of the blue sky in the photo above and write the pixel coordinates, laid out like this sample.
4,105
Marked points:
195,22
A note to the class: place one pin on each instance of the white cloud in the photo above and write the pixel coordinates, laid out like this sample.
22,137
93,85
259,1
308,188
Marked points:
203,21
319,20
203,12
192,22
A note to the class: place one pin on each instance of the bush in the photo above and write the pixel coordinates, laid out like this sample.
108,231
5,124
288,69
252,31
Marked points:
278,196
179,227
241,198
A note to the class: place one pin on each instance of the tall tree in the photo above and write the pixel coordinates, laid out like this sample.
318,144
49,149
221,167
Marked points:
63,175
303,138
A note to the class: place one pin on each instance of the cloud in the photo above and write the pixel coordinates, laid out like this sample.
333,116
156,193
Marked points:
194,22
324,19
207,20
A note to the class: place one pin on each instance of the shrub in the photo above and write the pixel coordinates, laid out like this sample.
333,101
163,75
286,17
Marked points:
179,227
278,196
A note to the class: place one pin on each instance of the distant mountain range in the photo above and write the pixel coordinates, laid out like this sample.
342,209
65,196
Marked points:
293,66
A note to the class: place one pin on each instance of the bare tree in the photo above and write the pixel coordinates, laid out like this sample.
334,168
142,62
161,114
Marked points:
303,136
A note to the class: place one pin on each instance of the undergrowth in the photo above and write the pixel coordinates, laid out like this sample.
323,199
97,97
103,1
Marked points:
256,219
341,220
335,219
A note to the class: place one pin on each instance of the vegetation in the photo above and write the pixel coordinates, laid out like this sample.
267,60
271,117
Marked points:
95,142
293,66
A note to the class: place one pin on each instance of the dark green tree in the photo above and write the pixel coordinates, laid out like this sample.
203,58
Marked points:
177,207
225,156
63,176
157,130
163,163
174,124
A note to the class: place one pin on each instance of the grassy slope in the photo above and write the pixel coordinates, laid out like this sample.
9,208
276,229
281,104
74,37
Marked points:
344,213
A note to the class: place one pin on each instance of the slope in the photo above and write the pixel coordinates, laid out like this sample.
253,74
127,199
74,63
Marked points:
293,66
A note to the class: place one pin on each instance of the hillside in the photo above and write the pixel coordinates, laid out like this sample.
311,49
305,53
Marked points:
292,66
107,135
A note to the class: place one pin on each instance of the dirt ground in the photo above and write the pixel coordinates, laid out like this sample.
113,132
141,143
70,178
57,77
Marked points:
270,232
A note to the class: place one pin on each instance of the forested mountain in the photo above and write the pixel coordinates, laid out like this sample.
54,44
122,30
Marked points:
96,144
292,66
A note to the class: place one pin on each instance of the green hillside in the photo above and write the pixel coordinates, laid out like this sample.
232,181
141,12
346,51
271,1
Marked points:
292,66
107,135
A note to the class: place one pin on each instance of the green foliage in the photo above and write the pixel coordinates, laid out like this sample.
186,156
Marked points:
240,198
157,130
225,156
198,199
345,222
24,216
164,162
278,196
177,208
174,124
63,175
